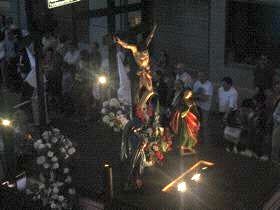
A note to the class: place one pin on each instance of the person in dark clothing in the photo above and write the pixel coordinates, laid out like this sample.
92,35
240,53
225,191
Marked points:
24,64
254,129
163,60
161,89
11,52
83,86
95,56
264,74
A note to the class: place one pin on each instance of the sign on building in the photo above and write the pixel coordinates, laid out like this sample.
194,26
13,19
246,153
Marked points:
58,3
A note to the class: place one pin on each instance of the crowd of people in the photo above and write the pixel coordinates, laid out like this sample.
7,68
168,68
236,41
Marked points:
70,74
69,71
249,127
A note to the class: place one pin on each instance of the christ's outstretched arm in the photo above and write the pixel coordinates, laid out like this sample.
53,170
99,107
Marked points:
125,45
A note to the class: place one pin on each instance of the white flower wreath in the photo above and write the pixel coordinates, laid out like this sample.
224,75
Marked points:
53,151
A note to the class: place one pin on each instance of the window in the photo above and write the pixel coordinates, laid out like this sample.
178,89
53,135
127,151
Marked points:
252,30
134,18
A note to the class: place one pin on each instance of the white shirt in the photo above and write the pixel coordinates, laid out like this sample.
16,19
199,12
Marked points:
205,88
227,99
186,79
72,58
31,77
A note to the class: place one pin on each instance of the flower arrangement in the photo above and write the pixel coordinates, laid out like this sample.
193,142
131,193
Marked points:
159,141
53,183
115,114
155,140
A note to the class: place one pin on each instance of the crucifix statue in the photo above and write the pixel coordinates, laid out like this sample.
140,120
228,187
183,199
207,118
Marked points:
141,55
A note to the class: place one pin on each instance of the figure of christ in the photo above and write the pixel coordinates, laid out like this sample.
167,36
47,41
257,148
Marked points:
141,55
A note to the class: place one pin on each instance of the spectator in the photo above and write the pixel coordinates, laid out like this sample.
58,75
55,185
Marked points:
27,69
163,60
263,74
72,56
7,26
48,41
254,128
259,97
161,89
203,90
67,87
71,59
228,97
182,75
169,79
58,63
49,70
27,64
61,45
2,58
2,23
179,88
11,51
83,86
248,121
95,56
276,126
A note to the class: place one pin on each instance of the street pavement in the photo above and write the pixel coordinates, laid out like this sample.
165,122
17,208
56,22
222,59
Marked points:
234,182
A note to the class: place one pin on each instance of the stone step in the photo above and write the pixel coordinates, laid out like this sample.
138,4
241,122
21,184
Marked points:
88,204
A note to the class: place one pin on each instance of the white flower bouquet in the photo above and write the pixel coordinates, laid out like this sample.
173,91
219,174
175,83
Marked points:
53,185
115,114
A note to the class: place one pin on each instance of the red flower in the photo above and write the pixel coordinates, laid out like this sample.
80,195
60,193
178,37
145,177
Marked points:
140,112
159,155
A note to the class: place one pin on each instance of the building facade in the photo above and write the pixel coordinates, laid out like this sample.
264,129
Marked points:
196,32
14,9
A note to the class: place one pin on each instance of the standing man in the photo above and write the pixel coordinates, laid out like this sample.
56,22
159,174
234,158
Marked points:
203,90
27,69
26,64
276,126
184,76
228,97
2,59
13,82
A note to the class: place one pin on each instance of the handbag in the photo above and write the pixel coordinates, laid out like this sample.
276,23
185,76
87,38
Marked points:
232,134
233,119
